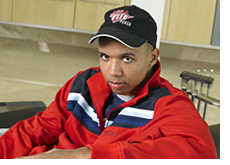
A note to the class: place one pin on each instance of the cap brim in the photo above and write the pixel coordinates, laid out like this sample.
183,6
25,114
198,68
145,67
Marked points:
125,38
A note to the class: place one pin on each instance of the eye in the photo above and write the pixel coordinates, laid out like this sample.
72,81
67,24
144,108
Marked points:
104,57
127,59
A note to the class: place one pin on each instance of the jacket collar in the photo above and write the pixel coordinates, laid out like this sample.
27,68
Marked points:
152,82
100,91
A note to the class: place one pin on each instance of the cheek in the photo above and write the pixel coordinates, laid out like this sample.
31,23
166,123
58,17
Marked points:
136,74
104,70
102,67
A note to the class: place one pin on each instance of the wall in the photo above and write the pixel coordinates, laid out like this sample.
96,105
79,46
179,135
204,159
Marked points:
216,28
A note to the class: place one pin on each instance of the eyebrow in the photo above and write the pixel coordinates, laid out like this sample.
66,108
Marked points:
128,54
98,52
123,54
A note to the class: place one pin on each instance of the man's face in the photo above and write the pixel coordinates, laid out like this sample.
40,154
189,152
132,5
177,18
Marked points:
126,70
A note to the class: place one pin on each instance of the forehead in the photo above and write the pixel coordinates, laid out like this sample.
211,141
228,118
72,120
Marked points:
103,41
109,44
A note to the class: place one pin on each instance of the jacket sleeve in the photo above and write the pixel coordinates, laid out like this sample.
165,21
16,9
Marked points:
176,131
41,130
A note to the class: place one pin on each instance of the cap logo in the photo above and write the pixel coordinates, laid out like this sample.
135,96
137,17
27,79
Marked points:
121,16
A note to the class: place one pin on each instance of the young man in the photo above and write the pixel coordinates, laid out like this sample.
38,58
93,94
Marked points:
123,109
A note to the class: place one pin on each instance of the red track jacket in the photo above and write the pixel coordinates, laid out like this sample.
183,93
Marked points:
160,122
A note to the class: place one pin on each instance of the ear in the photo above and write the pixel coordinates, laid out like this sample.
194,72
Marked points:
154,54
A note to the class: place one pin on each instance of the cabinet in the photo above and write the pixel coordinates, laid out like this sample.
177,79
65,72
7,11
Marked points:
89,14
5,10
189,21
164,29
59,13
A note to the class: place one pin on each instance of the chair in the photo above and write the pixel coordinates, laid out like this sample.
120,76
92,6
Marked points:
215,131
194,85
12,112
190,84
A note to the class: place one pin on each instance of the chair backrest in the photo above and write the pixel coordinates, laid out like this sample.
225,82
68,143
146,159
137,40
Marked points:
215,131
12,112
197,87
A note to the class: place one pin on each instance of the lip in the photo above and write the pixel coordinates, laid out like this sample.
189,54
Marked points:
116,85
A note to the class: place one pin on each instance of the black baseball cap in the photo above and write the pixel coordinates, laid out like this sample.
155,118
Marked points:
130,25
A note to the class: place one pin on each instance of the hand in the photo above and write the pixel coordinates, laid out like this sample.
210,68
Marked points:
80,153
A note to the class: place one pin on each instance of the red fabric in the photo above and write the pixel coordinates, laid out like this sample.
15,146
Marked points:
176,130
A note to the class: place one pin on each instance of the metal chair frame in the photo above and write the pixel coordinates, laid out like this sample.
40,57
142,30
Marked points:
189,83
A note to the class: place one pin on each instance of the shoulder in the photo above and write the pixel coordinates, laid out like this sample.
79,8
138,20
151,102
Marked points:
176,103
78,80
81,78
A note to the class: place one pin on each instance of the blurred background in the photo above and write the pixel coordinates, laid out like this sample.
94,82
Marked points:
44,43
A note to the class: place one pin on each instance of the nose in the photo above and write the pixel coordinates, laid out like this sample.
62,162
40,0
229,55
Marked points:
115,68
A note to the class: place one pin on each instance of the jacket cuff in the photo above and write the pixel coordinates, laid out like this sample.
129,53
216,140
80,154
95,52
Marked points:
104,151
